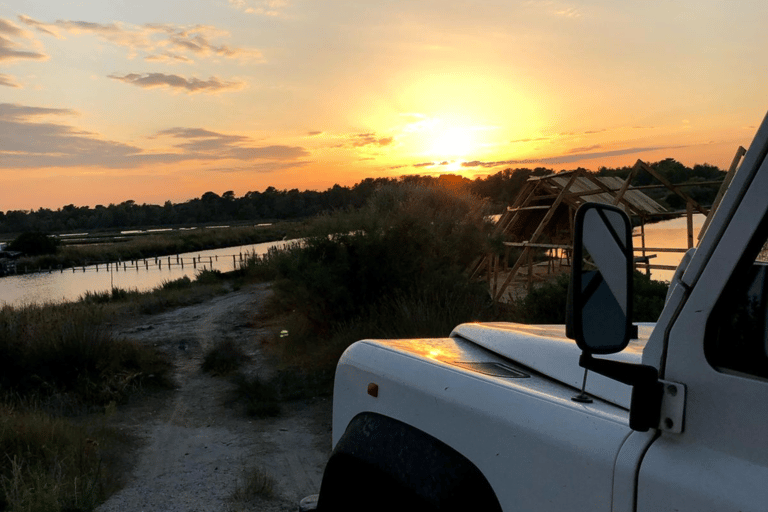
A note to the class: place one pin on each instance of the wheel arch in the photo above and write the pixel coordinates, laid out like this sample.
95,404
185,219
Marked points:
381,463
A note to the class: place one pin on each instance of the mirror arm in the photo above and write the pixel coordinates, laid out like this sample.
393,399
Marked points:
647,391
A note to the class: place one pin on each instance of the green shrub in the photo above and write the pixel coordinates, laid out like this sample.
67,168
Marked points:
407,238
648,299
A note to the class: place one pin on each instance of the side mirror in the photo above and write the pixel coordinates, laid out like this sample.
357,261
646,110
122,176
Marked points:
600,298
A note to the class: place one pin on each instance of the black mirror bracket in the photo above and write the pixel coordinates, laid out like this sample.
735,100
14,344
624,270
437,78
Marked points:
647,389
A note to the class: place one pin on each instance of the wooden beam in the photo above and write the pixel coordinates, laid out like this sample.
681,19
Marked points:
625,186
536,234
672,187
607,189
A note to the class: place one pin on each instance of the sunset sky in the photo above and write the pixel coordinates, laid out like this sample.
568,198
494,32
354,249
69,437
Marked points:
108,100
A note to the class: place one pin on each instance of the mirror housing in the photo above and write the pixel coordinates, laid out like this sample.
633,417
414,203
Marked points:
600,295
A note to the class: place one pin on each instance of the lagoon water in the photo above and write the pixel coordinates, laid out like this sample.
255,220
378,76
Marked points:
58,286
68,285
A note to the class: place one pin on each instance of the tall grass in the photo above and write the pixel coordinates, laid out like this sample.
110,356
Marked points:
168,294
55,361
66,352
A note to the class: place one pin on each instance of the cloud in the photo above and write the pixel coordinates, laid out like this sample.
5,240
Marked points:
262,7
11,50
205,143
30,140
585,148
153,39
537,139
40,27
8,27
314,133
8,81
167,57
191,85
569,158
370,139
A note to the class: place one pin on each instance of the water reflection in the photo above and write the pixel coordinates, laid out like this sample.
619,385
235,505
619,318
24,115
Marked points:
668,234
71,284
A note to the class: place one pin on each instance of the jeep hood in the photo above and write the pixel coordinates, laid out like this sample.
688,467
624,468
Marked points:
546,350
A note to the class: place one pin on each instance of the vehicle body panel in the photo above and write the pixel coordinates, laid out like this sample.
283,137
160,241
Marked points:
538,449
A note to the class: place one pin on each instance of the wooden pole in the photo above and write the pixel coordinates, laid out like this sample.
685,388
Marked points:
689,217
530,271
536,233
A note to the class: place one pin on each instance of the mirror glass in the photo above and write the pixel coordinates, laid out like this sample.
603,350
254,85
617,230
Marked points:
602,279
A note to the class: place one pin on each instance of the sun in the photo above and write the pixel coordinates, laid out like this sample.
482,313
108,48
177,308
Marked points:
450,142
440,139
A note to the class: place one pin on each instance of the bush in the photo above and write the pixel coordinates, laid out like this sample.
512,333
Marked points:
224,358
408,238
34,244
546,303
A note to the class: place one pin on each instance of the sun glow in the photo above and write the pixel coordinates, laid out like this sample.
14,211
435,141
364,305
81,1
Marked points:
442,140
450,141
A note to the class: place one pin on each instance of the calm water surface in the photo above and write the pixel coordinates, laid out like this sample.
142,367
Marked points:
60,286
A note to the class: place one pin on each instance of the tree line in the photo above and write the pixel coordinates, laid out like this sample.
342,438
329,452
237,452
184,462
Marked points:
500,189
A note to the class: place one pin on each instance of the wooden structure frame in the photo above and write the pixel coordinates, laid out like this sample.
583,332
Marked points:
541,218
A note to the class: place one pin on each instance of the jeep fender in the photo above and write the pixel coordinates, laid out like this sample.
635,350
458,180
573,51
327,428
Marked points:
381,463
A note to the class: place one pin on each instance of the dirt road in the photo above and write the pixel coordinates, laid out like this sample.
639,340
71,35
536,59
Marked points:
195,450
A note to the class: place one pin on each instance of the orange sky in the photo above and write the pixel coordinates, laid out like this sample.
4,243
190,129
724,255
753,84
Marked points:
105,101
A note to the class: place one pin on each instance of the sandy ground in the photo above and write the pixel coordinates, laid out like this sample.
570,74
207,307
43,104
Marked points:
194,449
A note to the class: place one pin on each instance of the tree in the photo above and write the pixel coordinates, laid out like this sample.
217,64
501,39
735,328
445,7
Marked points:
34,243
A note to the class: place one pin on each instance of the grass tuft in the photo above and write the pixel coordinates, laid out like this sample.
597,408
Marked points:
224,358
254,483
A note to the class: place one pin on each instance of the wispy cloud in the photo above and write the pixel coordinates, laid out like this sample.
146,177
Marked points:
11,50
151,39
167,57
370,139
205,143
584,149
535,139
568,158
191,85
8,81
262,7
30,140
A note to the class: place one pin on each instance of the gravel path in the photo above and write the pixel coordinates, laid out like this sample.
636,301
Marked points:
195,450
